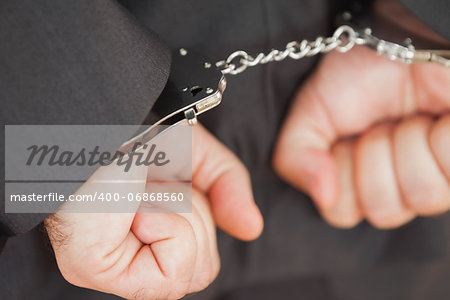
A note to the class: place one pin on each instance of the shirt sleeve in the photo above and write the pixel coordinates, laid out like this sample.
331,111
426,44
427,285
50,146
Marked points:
74,62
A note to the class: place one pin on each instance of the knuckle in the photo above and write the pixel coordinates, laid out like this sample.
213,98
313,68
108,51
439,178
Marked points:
347,223
430,201
387,219
342,220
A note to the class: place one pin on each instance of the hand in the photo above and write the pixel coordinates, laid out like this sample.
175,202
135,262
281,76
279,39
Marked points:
158,255
369,138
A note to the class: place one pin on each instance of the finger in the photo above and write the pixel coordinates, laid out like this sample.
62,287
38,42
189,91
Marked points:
341,100
376,181
207,261
345,213
440,144
204,210
302,154
165,264
218,173
428,86
423,183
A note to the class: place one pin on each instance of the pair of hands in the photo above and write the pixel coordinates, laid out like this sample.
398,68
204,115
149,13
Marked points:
355,140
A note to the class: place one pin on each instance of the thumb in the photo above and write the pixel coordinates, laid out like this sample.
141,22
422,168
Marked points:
302,155
218,173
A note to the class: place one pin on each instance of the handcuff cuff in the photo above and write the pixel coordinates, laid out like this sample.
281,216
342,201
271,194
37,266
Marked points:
196,85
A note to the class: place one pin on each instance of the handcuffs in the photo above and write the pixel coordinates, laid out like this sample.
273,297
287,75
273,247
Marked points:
196,85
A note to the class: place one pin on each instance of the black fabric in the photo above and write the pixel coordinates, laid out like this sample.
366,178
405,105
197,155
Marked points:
295,288
434,14
74,62
29,271
297,246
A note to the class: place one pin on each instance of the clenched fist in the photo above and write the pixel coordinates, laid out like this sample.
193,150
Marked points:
369,138
157,255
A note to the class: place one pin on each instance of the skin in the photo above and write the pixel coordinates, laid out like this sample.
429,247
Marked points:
369,138
366,138
158,255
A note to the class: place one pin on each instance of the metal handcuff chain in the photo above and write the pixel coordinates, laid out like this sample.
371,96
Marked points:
343,40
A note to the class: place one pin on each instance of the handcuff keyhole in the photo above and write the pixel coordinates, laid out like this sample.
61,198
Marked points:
195,90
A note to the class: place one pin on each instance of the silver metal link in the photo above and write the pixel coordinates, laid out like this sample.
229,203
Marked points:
344,38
